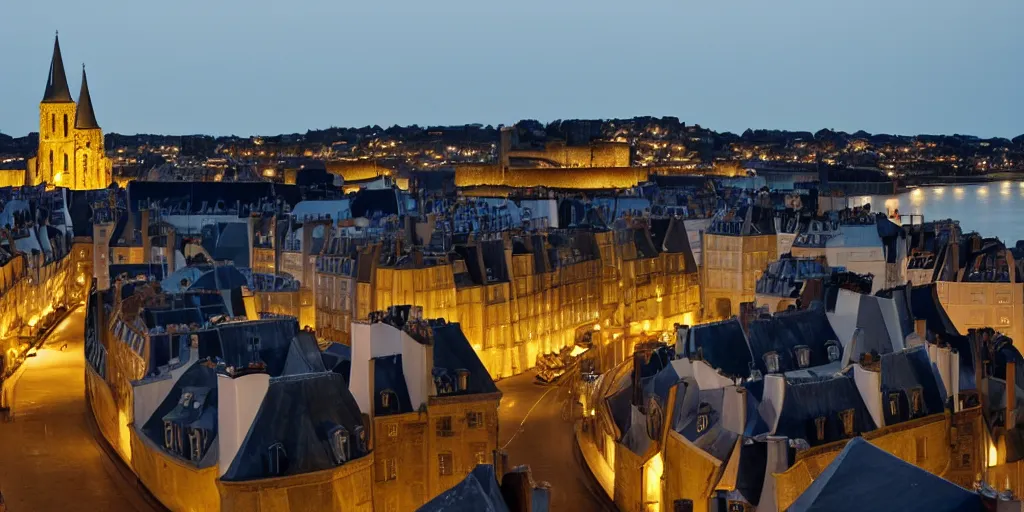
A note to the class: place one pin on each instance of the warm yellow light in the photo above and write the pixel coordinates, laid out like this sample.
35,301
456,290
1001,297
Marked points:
659,299
593,412
33,321
57,178
647,325
597,327
993,455
269,173
80,279
983,191
652,483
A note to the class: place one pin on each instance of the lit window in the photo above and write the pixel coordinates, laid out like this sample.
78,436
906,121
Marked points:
195,440
847,418
475,419
392,430
916,402
445,463
894,404
819,426
168,435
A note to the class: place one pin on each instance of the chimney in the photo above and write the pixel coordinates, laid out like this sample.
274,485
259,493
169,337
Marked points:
147,243
239,399
170,250
1011,394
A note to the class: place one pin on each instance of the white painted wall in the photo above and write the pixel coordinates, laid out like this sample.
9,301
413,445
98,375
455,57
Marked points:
844,319
734,409
238,401
417,363
708,377
370,341
150,395
771,400
869,385
892,322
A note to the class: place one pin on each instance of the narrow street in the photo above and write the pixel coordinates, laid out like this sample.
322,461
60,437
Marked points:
536,428
51,455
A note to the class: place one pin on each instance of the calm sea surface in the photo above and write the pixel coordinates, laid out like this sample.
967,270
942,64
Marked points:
991,209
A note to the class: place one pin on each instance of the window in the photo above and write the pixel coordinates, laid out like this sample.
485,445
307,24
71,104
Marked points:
894,404
703,417
51,160
65,162
85,163
277,459
475,419
819,426
480,453
53,123
921,450
392,430
834,351
771,362
65,125
339,445
168,435
803,356
195,441
847,418
444,427
916,402
388,470
360,434
445,463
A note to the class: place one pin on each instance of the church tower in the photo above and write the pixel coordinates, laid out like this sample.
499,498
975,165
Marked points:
91,165
55,158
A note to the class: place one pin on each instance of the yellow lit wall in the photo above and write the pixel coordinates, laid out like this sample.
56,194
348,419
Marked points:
732,265
979,305
12,178
471,175
176,483
467,445
345,488
690,473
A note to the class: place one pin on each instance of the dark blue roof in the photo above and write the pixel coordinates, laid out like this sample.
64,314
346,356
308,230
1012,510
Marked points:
228,241
478,492
924,302
224,277
230,343
198,376
785,331
389,377
807,401
905,371
723,345
452,351
865,477
299,412
750,475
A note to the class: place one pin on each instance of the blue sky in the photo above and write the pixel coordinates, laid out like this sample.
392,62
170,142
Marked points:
264,67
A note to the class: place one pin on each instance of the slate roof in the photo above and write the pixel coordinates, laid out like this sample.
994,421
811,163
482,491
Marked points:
298,412
723,345
908,370
806,401
478,492
865,477
452,351
57,90
785,331
85,116
388,376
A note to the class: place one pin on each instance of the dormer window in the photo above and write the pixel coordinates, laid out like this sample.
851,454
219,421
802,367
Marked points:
703,417
388,399
803,356
168,435
819,428
254,349
277,459
196,441
771,362
834,350
916,402
340,449
847,419
894,404
360,435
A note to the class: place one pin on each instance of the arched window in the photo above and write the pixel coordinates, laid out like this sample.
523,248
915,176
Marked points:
85,164
65,125
51,160
65,162
53,122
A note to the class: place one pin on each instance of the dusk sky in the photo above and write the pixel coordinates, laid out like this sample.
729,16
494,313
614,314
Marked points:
274,66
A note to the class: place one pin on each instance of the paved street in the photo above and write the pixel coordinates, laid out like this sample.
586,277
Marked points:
531,416
51,456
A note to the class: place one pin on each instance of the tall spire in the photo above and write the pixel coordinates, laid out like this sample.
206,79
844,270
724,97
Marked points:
57,90
85,117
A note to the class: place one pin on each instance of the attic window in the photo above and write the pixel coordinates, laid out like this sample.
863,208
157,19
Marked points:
771,362
196,441
847,418
277,459
388,399
703,417
254,349
360,435
803,356
916,402
819,426
186,399
894,404
834,351
168,435
338,437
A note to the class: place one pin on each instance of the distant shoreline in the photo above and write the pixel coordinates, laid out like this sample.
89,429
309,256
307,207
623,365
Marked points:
939,181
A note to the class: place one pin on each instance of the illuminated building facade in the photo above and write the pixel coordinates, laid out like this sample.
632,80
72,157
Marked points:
71,152
736,249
